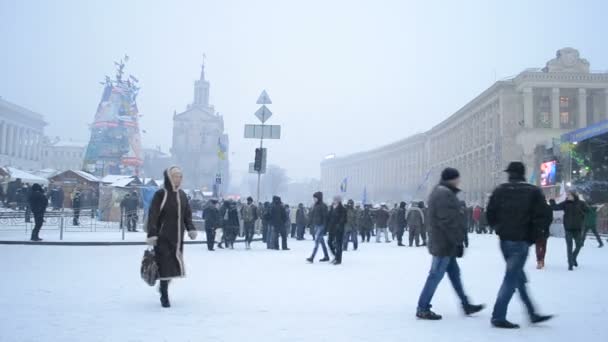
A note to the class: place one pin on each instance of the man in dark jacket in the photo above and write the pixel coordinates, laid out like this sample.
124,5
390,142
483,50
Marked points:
336,220
518,212
37,202
211,214
447,229
76,202
382,216
300,222
318,220
366,224
401,223
277,217
415,220
574,218
350,229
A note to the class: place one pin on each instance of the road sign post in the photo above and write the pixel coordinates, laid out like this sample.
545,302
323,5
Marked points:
262,132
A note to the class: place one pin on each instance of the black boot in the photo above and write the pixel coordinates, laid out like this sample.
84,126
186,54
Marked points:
310,260
164,294
428,315
471,309
324,259
504,324
540,318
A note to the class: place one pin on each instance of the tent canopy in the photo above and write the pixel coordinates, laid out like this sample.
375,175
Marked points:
25,177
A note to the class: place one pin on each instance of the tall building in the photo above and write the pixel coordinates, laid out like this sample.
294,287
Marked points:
21,135
511,120
200,146
62,155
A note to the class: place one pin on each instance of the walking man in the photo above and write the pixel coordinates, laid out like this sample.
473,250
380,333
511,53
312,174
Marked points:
249,213
211,214
350,230
37,202
318,220
518,212
335,225
447,229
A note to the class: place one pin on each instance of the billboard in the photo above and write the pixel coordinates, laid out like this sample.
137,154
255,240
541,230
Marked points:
548,173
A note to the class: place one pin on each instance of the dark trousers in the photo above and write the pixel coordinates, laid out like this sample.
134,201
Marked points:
400,232
365,235
595,233
76,220
265,231
515,254
300,231
541,249
414,234
131,221
339,240
249,230
210,235
28,214
293,230
38,221
573,239
282,231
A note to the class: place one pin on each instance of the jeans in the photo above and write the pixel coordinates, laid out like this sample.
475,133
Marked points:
439,266
282,232
319,240
38,221
515,254
382,231
249,230
573,237
350,236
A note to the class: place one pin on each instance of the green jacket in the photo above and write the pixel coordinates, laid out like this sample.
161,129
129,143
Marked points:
591,218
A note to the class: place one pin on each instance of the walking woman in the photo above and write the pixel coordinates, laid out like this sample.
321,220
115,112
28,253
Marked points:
169,217
574,216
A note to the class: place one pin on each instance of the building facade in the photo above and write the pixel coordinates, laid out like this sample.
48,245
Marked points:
508,121
63,155
200,146
21,135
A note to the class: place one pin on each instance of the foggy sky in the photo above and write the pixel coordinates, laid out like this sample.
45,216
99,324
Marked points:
344,76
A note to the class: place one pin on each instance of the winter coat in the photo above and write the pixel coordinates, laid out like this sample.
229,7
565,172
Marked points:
336,218
277,216
366,223
351,219
574,213
249,213
318,213
415,218
301,216
211,214
76,202
446,222
168,219
37,200
591,218
517,211
382,217
401,219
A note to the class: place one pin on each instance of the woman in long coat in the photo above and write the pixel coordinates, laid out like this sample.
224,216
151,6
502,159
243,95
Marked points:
168,219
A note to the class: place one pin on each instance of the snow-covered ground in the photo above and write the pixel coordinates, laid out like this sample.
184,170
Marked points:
58,293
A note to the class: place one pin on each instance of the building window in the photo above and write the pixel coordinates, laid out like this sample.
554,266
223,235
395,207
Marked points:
564,118
564,102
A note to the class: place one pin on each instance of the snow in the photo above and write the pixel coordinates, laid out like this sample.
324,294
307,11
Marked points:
52,293
26,177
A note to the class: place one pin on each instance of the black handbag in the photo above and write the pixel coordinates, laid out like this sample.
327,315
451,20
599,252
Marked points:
149,268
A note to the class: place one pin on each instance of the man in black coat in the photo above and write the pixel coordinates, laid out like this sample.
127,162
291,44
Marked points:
277,217
335,226
211,214
37,202
518,212
574,218
318,222
447,229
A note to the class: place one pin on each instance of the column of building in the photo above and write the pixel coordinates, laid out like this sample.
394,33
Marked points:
555,122
582,107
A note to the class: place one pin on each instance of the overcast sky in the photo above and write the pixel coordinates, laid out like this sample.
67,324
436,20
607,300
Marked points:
344,76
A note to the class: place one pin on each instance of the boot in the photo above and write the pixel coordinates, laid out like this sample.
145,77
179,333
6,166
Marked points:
539,265
164,294
504,324
324,259
470,309
428,315
540,318
310,260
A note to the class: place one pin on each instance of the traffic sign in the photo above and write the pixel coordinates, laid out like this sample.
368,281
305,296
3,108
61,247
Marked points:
262,131
264,99
263,113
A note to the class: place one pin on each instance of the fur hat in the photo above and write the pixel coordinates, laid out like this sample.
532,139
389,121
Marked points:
449,174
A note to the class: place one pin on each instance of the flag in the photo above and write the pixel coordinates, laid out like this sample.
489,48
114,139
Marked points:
221,149
343,185
364,201
426,178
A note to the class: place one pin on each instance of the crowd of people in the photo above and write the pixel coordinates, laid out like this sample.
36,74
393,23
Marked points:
517,213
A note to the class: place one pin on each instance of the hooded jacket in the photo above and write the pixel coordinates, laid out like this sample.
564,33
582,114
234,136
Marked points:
37,200
318,213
